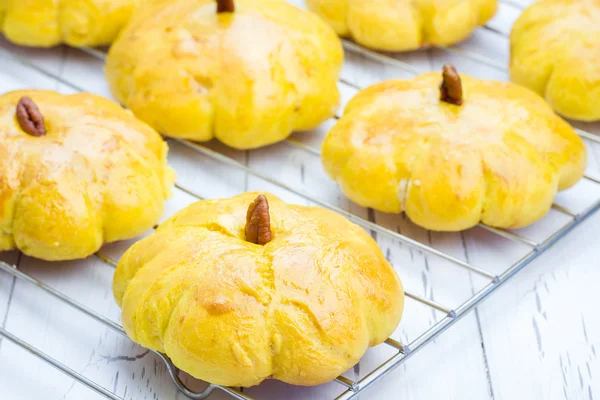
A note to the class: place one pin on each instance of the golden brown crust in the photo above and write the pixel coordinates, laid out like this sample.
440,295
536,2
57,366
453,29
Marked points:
555,51
303,308
499,158
402,25
248,78
43,23
97,175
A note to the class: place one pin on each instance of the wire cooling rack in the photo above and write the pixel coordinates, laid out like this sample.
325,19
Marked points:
402,351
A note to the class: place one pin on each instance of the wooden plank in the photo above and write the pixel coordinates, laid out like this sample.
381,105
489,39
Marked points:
469,361
420,274
7,286
542,333
64,333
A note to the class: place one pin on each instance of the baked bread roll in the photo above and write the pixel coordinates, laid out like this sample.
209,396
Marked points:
47,23
555,51
402,25
247,72
249,288
75,172
453,155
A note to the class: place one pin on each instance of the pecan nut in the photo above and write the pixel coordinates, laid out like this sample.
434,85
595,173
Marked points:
30,118
225,6
258,221
451,88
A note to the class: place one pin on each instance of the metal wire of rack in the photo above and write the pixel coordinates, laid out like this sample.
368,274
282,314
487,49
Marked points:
402,351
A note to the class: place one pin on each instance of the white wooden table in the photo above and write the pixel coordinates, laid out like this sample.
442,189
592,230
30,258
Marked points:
536,338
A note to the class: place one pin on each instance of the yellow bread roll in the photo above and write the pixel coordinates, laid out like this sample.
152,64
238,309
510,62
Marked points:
248,76
454,155
239,290
555,51
47,23
75,172
402,25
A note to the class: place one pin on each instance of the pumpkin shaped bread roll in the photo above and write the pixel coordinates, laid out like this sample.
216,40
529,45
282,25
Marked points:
555,51
452,151
403,25
47,23
247,72
239,290
75,172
